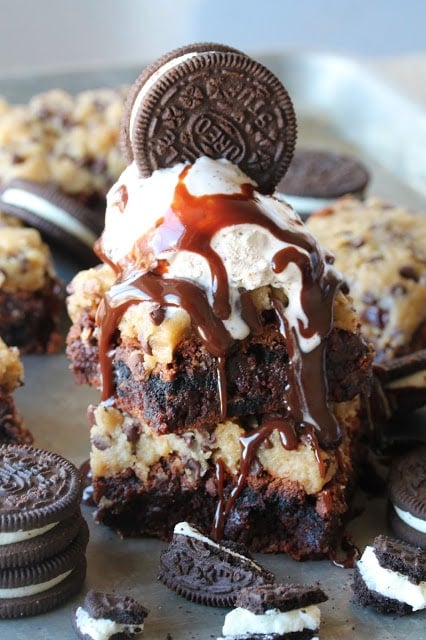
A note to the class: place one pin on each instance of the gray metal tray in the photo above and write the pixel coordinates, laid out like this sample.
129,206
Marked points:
342,106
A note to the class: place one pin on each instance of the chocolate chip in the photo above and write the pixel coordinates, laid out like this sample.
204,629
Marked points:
132,431
409,272
157,315
369,298
398,290
355,243
101,443
376,316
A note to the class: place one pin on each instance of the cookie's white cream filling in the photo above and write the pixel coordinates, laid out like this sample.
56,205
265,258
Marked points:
49,212
185,529
102,628
33,589
390,584
412,521
239,621
20,536
167,66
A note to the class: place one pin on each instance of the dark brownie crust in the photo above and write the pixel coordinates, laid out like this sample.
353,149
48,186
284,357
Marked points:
268,516
30,319
11,427
184,393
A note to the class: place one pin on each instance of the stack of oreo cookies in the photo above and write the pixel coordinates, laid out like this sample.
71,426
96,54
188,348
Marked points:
43,536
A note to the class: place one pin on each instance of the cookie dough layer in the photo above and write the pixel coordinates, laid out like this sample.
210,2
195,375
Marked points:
381,250
144,482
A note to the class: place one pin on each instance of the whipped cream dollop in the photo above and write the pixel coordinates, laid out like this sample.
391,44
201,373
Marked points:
142,232
201,237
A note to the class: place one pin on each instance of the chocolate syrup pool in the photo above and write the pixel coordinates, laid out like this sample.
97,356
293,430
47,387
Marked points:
189,225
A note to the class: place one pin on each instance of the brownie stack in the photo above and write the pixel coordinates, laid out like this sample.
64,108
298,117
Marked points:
231,379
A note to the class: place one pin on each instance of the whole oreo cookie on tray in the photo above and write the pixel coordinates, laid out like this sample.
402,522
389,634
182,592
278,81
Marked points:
407,497
62,220
205,571
210,100
43,534
317,177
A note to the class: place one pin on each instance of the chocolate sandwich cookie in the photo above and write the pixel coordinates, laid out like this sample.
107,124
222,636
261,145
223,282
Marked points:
205,571
275,612
28,550
43,536
315,178
62,221
33,589
108,615
391,577
38,489
407,497
210,100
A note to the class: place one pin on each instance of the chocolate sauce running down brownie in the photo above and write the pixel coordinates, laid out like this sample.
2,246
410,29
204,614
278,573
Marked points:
220,335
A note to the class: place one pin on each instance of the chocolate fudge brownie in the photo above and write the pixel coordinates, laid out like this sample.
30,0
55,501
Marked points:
11,377
31,294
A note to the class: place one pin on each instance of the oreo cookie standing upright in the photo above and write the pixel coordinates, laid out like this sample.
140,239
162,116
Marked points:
43,536
210,100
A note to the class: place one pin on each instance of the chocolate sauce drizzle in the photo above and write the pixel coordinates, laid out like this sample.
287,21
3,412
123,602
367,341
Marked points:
189,225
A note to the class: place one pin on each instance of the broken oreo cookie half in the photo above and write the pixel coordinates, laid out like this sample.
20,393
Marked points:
62,221
210,100
275,612
390,577
208,572
108,615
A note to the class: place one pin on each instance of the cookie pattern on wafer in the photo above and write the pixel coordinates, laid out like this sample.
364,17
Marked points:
218,103
206,572
37,486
